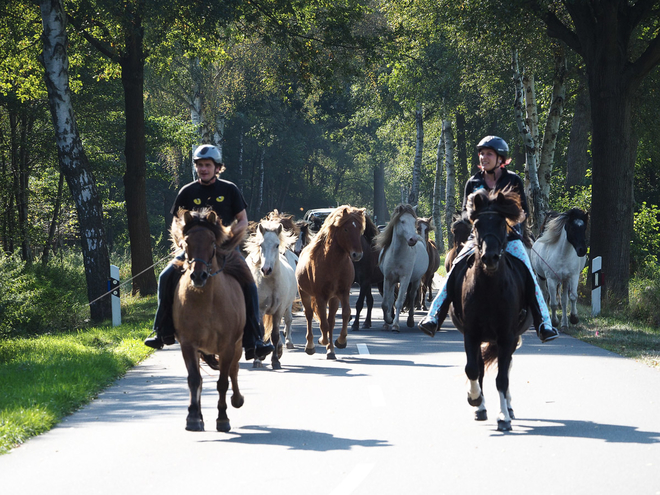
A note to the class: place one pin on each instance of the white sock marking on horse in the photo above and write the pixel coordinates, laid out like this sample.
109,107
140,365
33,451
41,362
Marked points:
363,349
353,480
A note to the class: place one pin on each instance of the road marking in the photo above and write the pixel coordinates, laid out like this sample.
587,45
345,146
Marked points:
363,349
353,480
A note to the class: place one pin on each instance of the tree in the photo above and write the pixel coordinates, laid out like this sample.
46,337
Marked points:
619,42
73,161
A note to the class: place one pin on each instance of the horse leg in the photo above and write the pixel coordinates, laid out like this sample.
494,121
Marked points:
333,305
400,300
573,296
387,302
564,306
552,289
237,399
474,369
370,306
413,289
288,320
505,351
309,316
340,343
359,304
222,423
194,421
275,338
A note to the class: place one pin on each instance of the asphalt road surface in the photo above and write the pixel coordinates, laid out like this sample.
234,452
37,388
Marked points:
389,416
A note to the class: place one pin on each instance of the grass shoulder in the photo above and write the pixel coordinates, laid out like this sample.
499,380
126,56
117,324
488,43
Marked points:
47,377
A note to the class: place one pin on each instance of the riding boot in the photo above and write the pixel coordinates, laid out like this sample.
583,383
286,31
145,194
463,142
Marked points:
253,333
164,322
441,304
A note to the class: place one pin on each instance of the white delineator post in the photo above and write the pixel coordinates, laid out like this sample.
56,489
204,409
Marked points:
596,282
114,296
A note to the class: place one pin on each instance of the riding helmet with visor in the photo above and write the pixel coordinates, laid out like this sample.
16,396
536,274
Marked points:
495,143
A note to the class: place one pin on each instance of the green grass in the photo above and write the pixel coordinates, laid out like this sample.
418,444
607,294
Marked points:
44,378
617,332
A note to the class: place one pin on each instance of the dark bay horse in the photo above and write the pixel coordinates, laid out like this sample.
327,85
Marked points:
367,273
325,274
424,227
460,229
209,308
490,294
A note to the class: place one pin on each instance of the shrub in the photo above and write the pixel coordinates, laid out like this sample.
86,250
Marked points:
644,297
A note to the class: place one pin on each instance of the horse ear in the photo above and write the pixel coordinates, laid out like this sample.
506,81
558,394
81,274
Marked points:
261,229
279,228
186,216
212,217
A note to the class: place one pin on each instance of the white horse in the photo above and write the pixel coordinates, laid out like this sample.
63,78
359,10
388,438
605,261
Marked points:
558,257
403,261
276,281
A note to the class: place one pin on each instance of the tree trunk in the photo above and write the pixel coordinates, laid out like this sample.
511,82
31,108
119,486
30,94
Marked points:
439,193
262,175
381,215
578,144
132,76
241,183
462,171
450,196
53,224
413,197
72,158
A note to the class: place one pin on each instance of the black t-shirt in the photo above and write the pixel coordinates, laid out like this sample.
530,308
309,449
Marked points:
222,196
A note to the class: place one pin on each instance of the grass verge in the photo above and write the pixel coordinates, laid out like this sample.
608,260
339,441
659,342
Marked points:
44,378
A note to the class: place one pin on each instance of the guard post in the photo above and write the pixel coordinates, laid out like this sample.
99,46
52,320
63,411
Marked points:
596,283
113,287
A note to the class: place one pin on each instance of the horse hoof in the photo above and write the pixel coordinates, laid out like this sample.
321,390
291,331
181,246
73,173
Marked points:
366,325
310,350
386,326
339,345
475,402
563,329
195,425
511,413
503,425
276,365
573,319
237,400
396,330
331,355
289,345
223,425
257,364
481,415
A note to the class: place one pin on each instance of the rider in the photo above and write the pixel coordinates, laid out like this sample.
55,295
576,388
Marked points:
227,201
493,157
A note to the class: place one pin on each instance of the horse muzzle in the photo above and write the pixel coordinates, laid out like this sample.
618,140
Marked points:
355,256
198,279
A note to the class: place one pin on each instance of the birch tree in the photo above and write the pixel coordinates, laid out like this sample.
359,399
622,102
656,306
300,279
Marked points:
413,196
439,194
72,158
450,196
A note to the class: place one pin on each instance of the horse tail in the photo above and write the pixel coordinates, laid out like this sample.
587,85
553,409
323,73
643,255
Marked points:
268,326
489,353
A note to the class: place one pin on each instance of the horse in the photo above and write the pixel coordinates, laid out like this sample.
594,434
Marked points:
209,308
325,274
304,236
367,273
460,229
276,281
424,227
403,261
558,257
489,294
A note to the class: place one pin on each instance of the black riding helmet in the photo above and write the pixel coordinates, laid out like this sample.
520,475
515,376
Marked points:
496,143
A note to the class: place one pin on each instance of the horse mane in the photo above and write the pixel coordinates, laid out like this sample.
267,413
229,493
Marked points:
384,239
287,239
370,229
336,219
285,219
505,202
554,224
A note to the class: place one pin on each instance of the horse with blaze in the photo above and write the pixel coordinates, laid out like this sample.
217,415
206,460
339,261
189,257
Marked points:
325,274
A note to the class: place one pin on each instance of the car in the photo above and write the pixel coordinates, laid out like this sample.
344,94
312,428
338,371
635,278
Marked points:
317,216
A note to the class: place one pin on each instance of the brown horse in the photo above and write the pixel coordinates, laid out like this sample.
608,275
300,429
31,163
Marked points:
460,229
424,227
209,308
325,274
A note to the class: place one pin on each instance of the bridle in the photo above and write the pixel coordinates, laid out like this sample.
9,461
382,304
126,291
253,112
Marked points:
502,242
208,264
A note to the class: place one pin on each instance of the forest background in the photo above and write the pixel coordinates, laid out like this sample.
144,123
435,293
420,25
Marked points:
314,104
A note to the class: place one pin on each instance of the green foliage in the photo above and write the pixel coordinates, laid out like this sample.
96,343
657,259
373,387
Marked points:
645,244
644,303
35,299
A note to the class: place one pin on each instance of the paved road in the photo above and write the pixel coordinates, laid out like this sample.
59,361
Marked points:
390,416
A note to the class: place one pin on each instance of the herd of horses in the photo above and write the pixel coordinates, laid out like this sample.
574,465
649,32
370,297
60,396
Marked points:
291,264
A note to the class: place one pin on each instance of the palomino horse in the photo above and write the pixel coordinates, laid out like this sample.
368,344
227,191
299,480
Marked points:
276,281
558,257
424,227
403,261
209,308
460,229
490,295
325,274
367,273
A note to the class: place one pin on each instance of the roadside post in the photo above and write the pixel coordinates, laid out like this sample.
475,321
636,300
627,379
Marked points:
596,283
113,286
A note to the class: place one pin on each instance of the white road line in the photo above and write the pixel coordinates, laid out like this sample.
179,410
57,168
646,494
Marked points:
363,349
353,480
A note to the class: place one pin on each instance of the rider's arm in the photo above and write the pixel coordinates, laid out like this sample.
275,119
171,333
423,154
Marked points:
240,223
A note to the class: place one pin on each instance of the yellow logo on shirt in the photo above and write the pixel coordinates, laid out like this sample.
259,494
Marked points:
197,201
220,199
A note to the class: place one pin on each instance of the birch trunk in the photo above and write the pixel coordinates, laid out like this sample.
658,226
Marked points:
439,194
450,197
532,188
72,158
413,197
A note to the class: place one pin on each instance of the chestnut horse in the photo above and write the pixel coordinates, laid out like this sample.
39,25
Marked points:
490,295
325,274
209,308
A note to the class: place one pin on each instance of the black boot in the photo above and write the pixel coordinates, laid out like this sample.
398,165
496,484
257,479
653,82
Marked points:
164,322
546,334
253,332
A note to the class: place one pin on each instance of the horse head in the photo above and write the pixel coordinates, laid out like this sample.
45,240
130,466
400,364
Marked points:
404,222
346,224
424,226
492,214
198,233
268,242
576,230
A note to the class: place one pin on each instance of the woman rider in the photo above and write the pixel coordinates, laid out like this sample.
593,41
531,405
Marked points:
493,175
